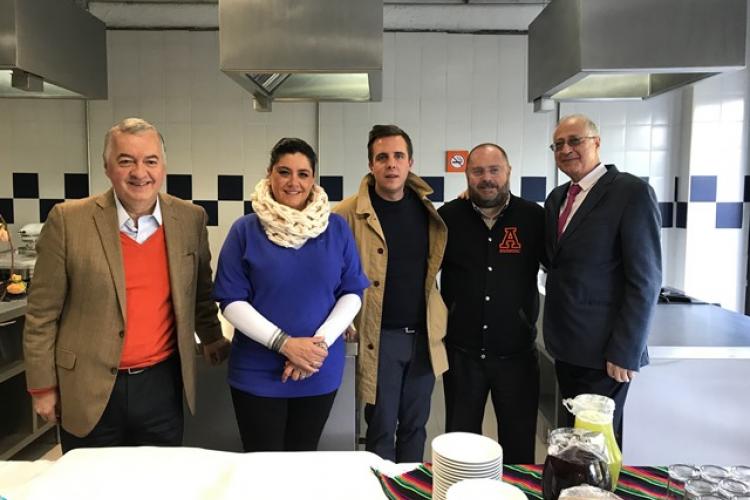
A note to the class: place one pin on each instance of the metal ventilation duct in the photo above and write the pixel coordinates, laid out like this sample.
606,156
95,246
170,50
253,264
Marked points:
291,50
51,48
631,49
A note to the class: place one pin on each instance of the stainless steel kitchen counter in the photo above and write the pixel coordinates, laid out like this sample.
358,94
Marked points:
689,404
693,331
23,264
698,331
12,309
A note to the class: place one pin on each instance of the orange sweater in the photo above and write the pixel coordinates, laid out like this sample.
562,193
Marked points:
149,324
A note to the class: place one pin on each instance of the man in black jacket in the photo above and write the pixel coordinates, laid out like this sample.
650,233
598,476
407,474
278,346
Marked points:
489,284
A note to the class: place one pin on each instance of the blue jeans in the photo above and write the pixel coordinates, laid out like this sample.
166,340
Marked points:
396,422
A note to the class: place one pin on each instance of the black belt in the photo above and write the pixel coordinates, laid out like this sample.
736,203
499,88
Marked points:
134,371
141,369
411,330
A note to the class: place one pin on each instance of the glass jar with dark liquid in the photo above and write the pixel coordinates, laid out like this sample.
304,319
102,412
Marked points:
572,466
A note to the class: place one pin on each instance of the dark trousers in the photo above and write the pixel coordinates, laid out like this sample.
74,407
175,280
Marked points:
144,409
396,422
513,384
281,424
574,380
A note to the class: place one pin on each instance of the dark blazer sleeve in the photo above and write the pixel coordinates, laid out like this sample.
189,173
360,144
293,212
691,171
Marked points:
640,231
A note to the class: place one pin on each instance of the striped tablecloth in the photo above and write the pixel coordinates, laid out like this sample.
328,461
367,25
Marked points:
634,483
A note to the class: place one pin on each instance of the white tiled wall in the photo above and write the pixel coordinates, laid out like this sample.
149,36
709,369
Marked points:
716,258
43,136
447,91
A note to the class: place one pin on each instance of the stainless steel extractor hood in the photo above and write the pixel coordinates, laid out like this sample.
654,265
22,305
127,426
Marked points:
292,50
631,49
51,48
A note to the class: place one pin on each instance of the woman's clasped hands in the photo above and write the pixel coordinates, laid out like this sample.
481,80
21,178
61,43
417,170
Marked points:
305,356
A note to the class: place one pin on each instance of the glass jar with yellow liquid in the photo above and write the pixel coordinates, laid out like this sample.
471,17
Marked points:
594,412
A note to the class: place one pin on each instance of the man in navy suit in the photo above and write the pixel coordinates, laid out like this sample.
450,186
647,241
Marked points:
603,243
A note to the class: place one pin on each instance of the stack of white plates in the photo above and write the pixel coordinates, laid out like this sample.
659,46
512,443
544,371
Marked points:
486,489
461,455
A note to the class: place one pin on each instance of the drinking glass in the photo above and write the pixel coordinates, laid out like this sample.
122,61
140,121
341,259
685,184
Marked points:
740,473
714,473
679,474
697,488
730,488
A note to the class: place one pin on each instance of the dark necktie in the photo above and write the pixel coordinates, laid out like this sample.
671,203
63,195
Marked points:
573,191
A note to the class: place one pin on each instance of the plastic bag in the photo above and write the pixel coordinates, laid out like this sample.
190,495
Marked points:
586,492
575,457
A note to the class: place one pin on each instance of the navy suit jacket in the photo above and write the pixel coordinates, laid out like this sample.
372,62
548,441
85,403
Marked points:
604,273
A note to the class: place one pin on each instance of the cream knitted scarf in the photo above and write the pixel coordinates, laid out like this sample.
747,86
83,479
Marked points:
286,226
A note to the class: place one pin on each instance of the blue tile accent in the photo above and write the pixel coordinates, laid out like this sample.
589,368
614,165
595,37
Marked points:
676,189
6,209
437,185
729,215
667,213
703,188
681,215
333,186
76,186
25,185
230,187
212,210
747,188
45,205
180,185
248,207
534,188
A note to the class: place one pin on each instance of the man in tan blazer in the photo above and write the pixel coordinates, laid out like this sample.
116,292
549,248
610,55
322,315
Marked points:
121,284
401,240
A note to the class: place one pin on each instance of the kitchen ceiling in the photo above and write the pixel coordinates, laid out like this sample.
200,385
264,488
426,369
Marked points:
464,16
307,77
415,2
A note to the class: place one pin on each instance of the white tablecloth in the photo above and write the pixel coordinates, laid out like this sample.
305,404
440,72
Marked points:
193,473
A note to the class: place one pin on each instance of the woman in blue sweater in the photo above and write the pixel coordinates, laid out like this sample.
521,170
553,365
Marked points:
290,281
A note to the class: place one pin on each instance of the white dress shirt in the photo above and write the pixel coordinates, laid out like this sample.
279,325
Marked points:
147,224
587,183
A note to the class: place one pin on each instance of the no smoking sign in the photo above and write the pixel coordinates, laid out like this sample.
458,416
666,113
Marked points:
455,161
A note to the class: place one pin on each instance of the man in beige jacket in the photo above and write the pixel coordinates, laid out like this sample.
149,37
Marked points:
401,240
122,282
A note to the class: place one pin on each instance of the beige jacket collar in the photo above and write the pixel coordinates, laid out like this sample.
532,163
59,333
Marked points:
413,181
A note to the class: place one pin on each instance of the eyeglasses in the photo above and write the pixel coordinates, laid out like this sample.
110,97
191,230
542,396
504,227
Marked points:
571,141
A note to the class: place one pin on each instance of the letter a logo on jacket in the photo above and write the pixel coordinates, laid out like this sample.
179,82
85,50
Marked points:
510,243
